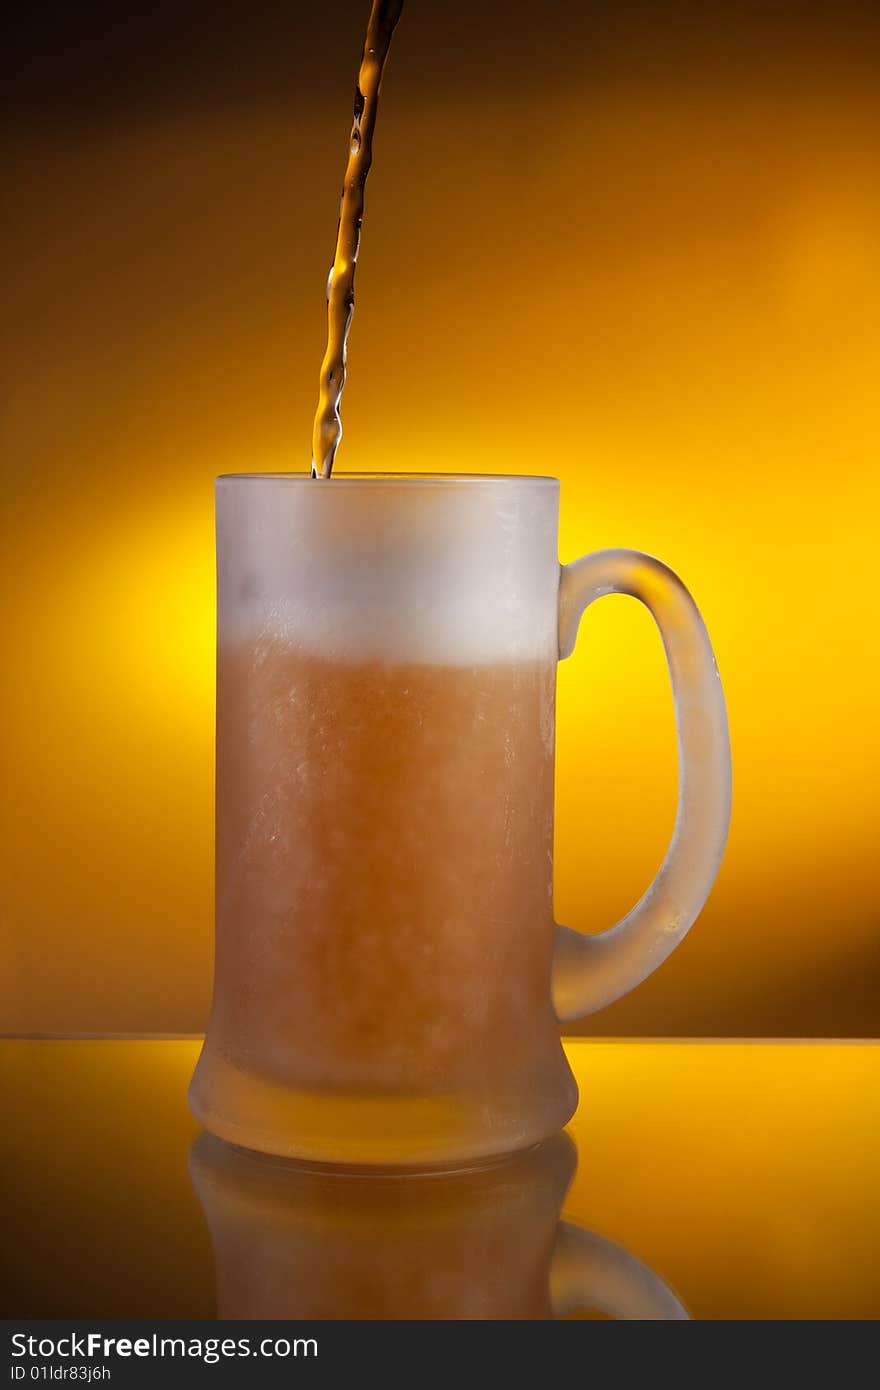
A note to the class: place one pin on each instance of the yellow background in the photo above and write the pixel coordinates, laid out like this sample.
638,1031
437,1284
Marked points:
640,253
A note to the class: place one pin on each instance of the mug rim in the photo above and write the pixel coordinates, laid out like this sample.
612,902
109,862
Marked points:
391,479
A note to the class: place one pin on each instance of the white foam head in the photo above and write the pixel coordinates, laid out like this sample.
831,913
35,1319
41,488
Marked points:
446,569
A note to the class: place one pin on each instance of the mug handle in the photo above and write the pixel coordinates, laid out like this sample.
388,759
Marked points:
588,1271
591,971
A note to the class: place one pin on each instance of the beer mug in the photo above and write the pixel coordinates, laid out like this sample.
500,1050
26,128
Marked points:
296,1244
389,979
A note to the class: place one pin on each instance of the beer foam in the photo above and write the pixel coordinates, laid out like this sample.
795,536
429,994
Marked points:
472,632
455,575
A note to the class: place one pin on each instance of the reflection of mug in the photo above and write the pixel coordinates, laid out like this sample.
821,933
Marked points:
294,1243
386,985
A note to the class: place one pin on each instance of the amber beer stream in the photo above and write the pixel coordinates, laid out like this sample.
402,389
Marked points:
327,429
389,978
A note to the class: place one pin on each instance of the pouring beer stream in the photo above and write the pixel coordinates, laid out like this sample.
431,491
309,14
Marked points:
340,286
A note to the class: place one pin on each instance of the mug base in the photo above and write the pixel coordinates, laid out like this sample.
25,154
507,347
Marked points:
368,1132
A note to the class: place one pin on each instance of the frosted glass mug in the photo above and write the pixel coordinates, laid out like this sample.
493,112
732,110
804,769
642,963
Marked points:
389,979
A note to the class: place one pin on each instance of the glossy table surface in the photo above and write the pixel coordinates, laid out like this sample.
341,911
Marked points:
741,1176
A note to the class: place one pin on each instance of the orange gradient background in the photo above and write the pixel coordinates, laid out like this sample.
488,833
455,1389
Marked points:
640,252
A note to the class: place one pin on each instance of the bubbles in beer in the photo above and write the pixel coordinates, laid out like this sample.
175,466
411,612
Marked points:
340,284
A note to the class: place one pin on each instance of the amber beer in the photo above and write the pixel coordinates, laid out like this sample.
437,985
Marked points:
384,832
